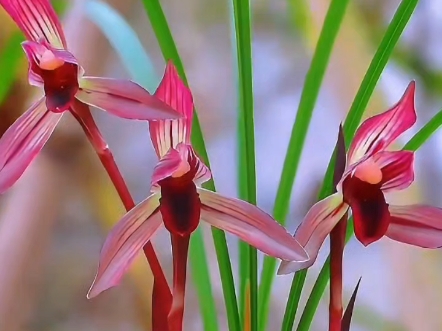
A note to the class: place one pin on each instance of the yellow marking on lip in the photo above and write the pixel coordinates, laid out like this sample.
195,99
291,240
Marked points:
369,172
49,61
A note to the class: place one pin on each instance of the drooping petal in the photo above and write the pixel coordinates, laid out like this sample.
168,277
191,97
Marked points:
37,20
397,169
123,98
124,242
168,134
369,208
418,225
378,132
22,142
250,224
180,248
313,230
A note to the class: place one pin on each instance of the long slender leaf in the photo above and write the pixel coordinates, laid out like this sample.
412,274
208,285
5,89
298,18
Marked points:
169,50
10,57
246,148
309,95
377,65
130,50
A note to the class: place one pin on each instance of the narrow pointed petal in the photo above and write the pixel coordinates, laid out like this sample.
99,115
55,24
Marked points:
378,132
369,208
168,134
417,225
123,98
124,242
316,226
180,248
22,142
37,20
250,224
397,169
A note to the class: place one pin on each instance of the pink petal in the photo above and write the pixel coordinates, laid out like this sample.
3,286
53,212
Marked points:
182,157
168,134
166,166
378,132
22,142
123,98
37,19
417,225
124,242
313,230
250,224
397,169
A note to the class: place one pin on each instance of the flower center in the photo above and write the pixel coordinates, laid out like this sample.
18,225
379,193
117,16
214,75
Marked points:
49,61
369,172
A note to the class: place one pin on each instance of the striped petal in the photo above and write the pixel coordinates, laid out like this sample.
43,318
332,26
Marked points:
313,230
22,142
123,98
397,169
417,225
168,134
124,242
178,162
250,224
37,20
378,132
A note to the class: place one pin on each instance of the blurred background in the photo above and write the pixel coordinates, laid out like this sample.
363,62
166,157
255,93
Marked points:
54,220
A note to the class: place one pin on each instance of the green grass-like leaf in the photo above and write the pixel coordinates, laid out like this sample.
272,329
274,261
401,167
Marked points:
170,52
133,56
377,65
309,95
10,57
246,149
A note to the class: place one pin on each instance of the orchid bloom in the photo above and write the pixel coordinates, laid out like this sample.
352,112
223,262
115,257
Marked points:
370,173
56,71
179,203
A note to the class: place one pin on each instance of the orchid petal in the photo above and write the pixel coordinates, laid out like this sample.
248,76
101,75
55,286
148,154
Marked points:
22,142
37,20
251,225
316,226
124,242
166,166
397,169
182,159
123,98
378,132
369,209
168,134
417,225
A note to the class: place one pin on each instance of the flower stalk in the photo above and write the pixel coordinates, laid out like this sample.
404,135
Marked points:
160,286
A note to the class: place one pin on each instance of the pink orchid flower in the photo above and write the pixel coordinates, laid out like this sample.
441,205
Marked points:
371,172
54,69
179,203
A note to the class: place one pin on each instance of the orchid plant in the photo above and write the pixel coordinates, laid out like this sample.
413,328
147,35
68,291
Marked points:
178,202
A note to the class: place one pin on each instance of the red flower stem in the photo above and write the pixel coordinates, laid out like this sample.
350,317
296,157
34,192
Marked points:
180,248
160,287
337,243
